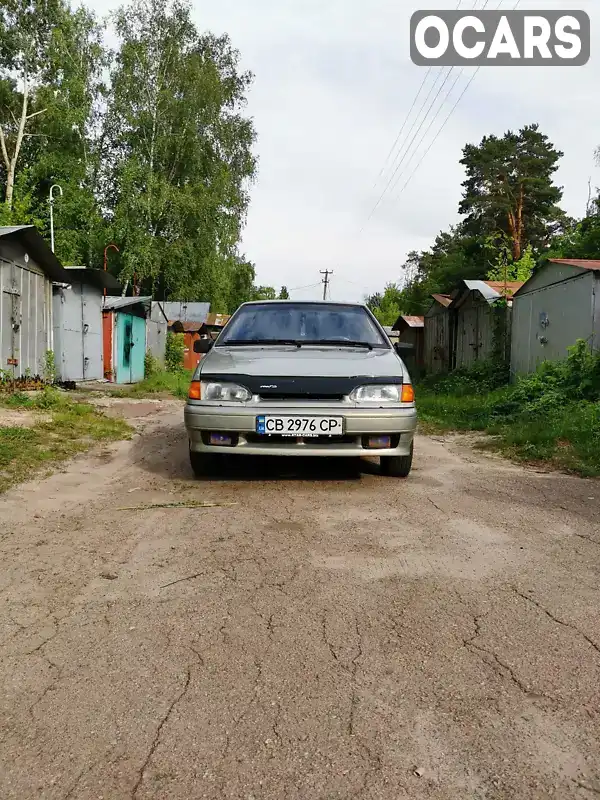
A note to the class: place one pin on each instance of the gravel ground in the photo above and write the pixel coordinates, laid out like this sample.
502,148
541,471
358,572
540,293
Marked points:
332,635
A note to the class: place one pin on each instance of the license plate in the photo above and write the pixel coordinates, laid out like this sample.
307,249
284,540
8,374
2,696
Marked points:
300,427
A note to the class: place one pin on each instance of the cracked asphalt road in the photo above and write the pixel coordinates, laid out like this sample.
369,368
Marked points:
330,636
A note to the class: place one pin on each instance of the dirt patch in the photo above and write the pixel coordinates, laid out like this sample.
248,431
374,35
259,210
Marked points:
429,639
14,418
130,408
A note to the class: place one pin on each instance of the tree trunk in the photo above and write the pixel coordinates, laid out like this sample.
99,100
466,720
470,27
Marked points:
518,243
12,161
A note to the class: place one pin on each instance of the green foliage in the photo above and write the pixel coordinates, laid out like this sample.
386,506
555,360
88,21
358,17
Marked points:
552,415
481,378
264,293
179,154
453,256
149,143
580,240
161,382
511,213
509,188
64,429
151,364
386,307
49,366
174,352
284,294
503,266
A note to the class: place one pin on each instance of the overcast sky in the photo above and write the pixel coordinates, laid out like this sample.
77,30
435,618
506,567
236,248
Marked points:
333,85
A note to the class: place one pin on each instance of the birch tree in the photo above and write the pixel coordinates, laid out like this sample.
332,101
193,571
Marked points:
178,154
25,33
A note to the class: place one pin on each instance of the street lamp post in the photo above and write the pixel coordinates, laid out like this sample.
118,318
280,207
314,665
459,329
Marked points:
55,186
106,249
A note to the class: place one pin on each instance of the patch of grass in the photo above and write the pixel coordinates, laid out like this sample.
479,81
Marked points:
162,382
551,416
463,412
565,437
72,428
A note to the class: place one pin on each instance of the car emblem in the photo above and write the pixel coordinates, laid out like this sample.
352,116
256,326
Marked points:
273,386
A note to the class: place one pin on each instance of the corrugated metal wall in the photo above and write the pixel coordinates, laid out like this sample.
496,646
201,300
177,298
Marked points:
437,340
78,332
25,314
560,314
474,332
156,338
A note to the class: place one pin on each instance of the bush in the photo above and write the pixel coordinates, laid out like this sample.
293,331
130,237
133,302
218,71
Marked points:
49,366
151,365
174,352
482,377
552,415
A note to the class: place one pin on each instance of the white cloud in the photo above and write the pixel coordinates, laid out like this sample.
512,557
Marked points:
333,83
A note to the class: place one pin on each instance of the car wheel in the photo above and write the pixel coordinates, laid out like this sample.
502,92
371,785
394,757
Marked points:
203,464
397,466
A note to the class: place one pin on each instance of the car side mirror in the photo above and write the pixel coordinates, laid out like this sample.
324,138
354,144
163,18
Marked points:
203,345
402,347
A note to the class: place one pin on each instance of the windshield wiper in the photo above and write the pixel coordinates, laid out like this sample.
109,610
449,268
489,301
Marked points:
250,342
339,343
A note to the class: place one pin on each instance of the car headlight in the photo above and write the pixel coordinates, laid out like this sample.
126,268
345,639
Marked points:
227,392
383,393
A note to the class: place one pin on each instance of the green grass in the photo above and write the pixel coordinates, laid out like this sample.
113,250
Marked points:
61,429
564,436
160,382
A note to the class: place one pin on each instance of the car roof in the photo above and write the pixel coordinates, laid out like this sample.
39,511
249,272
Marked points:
302,303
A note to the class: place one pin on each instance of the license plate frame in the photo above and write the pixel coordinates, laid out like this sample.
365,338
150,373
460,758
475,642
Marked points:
300,426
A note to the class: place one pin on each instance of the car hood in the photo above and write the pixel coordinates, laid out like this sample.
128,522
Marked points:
289,361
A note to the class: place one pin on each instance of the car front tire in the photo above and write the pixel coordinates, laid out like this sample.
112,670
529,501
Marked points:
397,466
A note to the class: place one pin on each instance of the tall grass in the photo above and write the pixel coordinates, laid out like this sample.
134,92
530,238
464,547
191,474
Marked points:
551,416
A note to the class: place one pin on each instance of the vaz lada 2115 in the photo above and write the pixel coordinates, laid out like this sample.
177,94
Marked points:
288,378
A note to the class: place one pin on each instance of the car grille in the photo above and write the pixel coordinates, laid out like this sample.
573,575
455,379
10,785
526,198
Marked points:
274,440
300,396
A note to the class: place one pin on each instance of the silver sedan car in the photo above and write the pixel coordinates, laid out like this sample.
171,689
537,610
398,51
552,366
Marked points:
288,378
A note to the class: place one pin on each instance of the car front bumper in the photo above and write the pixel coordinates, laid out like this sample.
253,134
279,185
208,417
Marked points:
399,423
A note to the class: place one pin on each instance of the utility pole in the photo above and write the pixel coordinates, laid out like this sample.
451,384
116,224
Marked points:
325,281
55,186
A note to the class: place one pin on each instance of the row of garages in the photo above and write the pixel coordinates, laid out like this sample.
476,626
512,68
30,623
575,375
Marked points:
537,320
80,316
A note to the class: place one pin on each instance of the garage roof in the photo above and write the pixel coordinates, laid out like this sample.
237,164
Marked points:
582,263
93,277
35,244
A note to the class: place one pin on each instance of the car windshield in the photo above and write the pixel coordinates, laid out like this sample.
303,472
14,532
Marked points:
302,323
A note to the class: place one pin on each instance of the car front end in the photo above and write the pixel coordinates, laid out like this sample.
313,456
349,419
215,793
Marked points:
302,396
289,416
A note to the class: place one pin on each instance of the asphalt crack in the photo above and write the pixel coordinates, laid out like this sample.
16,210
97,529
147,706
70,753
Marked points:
52,685
329,645
588,787
156,740
353,673
556,619
500,667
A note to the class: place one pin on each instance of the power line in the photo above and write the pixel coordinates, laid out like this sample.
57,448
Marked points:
443,125
433,119
395,172
310,286
410,177
414,102
393,147
423,121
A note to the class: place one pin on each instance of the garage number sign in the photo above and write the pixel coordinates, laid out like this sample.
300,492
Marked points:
497,38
